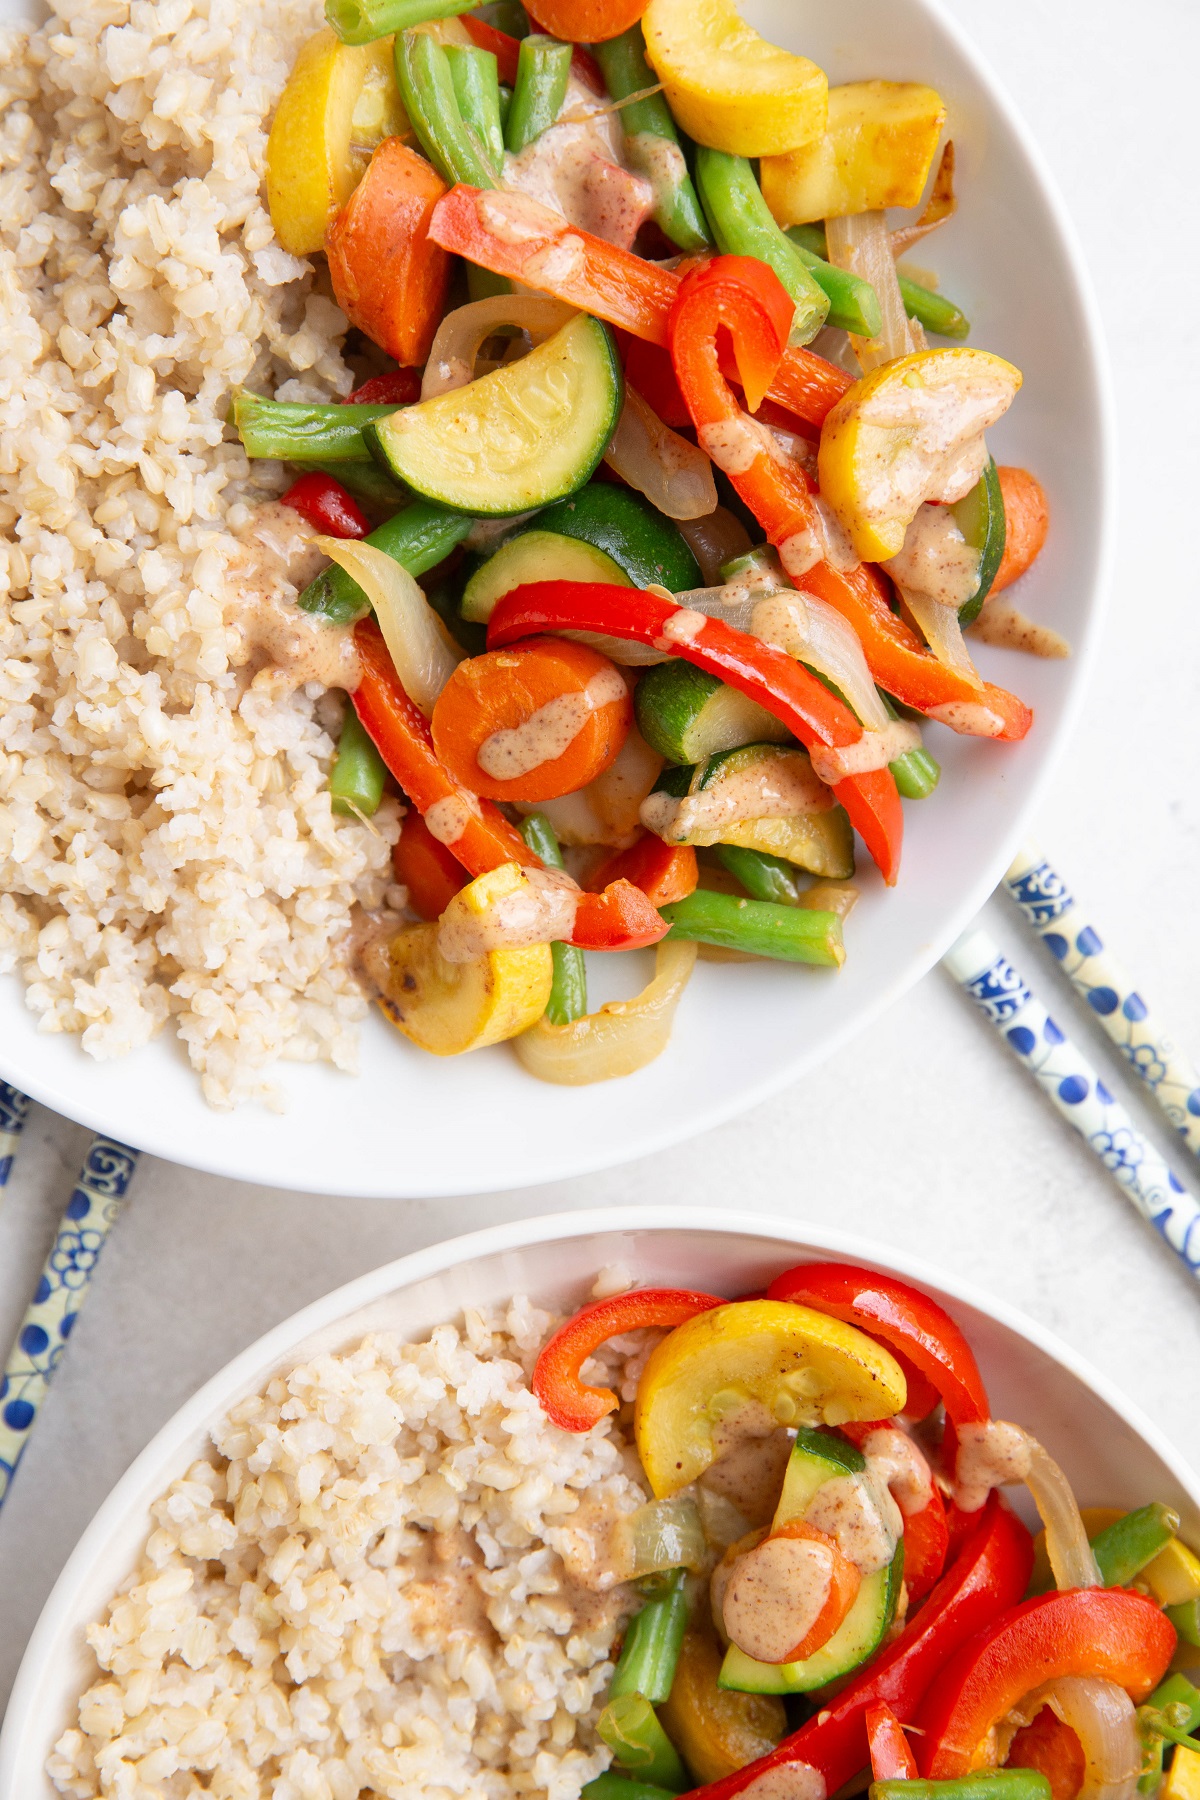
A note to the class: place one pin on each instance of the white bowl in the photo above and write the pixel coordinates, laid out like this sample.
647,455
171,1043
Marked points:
1111,1453
402,1127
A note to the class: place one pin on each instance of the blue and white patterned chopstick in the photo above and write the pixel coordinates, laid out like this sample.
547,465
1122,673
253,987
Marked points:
66,1278
14,1106
1049,906
1076,1090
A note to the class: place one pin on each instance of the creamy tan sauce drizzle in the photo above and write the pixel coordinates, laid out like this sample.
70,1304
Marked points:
274,560
1006,627
683,627
860,1515
936,559
447,819
786,1781
896,1462
557,263
751,1458
540,911
736,444
991,1454
825,540
969,716
550,731
780,788
774,1596
606,811
575,169
444,1599
873,750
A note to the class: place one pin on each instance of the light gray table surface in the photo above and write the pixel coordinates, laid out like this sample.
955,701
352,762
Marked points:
923,1133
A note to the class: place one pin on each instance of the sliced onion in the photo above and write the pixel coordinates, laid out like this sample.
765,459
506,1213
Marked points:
940,206
861,243
1071,1556
666,1534
714,540
626,651
463,332
815,633
416,639
1104,1719
623,1036
673,474
943,633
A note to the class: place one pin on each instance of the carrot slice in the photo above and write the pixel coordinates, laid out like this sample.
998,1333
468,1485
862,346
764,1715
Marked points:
389,277
1026,522
664,872
586,21
431,873
532,722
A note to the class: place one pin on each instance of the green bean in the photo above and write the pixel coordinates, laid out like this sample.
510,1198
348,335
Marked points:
764,877
629,1726
418,538
853,302
981,1784
1175,1706
918,771
1124,1548
652,141
300,432
362,21
482,284
1186,1619
610,1786
366,481
357,777
653,1637
506,15
930,309
568,990
477,90
743,226
543,68
788,933
427,89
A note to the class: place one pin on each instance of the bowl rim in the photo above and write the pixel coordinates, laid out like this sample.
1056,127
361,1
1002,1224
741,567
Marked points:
65,1088
275,1345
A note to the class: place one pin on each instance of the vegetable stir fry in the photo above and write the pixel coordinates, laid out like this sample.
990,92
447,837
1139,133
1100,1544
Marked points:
836,1593
656,523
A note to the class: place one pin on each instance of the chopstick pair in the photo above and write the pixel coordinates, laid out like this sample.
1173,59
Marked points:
1064,1072
65,1281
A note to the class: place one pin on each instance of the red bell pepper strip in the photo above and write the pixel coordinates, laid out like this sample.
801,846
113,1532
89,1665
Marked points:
325,503
510,235
926,1533
621,918
903,1318
664,872
891,1757
566,1398
651,371
1112,1633
766,674
991,1573
902,664
401,388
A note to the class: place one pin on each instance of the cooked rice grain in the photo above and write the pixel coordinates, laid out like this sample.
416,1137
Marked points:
166,844
283,1637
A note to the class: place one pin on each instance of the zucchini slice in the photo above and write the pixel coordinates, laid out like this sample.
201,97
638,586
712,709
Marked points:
516,439
687,714
857,1637
641,540
821,842
536,555
979,515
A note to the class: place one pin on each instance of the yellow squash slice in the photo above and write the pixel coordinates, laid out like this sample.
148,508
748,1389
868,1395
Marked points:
910,431
876,151
449,1007
728,87
788,1362
341,100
